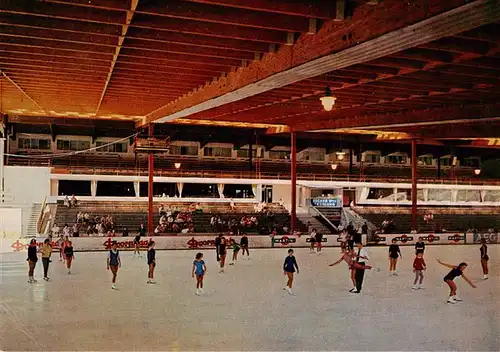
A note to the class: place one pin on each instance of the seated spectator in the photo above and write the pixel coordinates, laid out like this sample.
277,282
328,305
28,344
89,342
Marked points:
79,217
86,217
66,230
142,230
55,230
162,211
75,231
281,203
66,202
73,201
125,232
231,205
163,220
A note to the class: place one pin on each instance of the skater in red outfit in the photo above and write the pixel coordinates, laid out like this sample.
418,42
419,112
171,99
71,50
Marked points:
348,257
418,268
455,271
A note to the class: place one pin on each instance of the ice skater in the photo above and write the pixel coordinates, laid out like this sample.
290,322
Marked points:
420,247
69,255
199,269
419,267
289,267
236,249
46,251
455,272
114,262
394,254
60,243
222,253
319,242
312,240
151,262
484,258
137,242
244,246
32,260
348,256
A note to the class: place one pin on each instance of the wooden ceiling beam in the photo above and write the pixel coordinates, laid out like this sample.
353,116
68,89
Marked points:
123,5
62,11
213,14
61,25
454,114
32,99
40,51
190,50
210,29
196,40
47,66
59,36
128,19
310,8
460,45
237,86
47,44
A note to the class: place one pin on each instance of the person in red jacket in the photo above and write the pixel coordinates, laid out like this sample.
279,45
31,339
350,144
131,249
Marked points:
418,268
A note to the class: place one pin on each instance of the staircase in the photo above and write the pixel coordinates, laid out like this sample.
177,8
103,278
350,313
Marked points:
31,226
305,218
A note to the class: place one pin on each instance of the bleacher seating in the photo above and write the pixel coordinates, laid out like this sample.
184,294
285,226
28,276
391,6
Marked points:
131,214
450,219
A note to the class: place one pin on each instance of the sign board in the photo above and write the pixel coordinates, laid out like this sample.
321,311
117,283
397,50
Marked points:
327,202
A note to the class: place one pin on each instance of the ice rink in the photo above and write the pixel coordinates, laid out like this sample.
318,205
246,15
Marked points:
246,308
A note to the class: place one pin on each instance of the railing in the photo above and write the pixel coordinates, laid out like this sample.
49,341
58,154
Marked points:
271,175
39,220
315,212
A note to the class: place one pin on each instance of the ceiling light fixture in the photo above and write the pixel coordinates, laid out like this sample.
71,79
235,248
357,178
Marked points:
477,172
334,166
177,165
340,155
328,101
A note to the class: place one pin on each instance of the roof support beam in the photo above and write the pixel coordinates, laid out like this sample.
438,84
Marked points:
128,19
22,91
312,55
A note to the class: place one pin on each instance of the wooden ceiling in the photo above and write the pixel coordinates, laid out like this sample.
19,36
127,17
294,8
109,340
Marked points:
148,60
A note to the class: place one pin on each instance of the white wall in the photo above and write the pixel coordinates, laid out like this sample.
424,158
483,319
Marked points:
27,185
10,223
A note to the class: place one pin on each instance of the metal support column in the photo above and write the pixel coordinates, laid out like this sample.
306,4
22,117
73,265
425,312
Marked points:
293,210
413,184
150,185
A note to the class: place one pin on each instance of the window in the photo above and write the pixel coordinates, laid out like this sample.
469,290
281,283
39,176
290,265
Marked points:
314,155
425,160
243,153
372,158
72,145
471,162
396,159
279,154
33,143
446,161
217,151
183,150
112,148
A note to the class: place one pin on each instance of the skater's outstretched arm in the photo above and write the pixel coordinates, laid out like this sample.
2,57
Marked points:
468,281
447,265
338,261
192,271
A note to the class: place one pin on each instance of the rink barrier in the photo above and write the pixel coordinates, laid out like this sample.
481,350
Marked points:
84,244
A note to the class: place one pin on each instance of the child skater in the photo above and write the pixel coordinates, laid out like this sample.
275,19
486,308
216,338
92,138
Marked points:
137,241
70,256
455,271
199,269
484,258
32,260
151,262
394,254
418,268
289,268
114,262
236,249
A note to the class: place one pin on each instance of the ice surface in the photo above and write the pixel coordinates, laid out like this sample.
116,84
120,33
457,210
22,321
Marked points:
246,308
